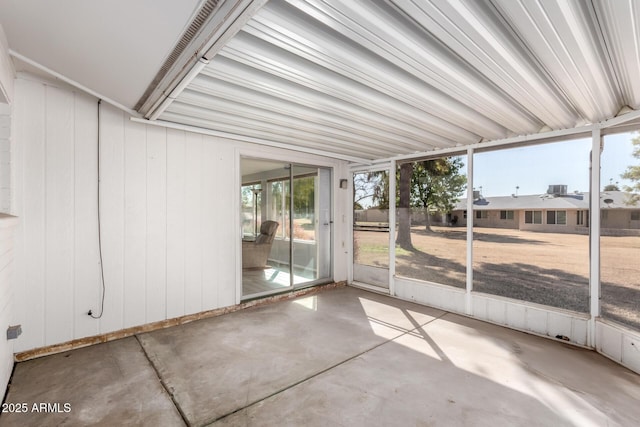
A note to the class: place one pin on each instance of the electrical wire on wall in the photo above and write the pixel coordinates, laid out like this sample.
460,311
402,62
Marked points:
90,312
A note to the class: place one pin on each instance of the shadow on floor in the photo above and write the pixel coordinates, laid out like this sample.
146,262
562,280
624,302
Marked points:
339,357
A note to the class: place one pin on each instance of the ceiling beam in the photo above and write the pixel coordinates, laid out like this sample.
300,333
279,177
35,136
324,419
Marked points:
224,23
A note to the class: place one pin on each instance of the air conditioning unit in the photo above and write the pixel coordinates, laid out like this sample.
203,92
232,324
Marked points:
476,194
557,190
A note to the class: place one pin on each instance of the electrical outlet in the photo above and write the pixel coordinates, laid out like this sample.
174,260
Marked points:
14,332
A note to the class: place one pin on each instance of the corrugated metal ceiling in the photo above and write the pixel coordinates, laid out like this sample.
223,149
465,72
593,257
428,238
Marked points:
378,79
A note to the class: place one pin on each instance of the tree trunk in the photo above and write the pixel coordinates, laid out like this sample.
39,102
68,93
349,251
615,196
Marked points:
428,219
404,207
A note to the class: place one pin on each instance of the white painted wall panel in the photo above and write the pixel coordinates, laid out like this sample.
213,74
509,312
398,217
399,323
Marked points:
168,212
446,298
502,311
579,331
113,216
176,190
609,340
496,311
225,269
527,317
516,316
371,275
5,158
6,71
30,287
135,223
631,351
210,224
86,260
193,227
479,307
559,325
59,217
536,320
7,285
618,343
156,224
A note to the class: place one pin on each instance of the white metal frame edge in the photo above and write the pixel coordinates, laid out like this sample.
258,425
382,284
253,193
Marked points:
469,284
594,237
392,228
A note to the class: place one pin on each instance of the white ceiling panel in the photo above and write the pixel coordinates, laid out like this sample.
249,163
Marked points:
113,47
477,34
620,21
292,30
226,71
394,37
366,79
224,94
568,43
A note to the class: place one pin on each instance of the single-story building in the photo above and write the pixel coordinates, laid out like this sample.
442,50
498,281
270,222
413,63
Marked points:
549,212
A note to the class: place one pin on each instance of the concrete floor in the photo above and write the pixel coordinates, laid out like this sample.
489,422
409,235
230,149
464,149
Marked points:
342,357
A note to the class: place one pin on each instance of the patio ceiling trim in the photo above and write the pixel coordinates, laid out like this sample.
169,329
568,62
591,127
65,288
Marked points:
242,138
226,19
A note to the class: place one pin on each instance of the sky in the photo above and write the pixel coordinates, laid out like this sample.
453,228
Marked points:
534,168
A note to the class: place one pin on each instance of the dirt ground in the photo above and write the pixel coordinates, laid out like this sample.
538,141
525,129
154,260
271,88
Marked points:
545,268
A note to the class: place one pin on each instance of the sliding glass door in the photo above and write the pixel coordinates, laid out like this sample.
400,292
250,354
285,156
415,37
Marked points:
286,226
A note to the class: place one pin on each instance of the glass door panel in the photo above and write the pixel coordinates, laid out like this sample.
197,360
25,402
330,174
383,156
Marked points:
251,210
266,257
288,207
311,224
371,228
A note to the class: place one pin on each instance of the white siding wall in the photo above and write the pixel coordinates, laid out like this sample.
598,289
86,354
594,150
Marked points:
5,158
6,97
6,71
169,214
7,223
7,281
618,343
514,314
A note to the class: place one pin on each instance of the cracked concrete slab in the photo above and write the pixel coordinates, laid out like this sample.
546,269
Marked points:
220,365
106,384
458,371
342,357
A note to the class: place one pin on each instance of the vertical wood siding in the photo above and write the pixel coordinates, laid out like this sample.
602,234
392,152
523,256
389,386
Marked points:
166,215
5,157
7,286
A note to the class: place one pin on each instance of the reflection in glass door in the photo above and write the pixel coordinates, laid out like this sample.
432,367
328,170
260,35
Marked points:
293,238
371,228
265,214
311,224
